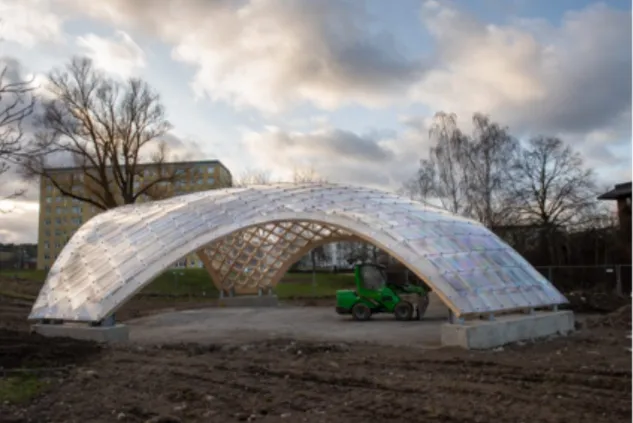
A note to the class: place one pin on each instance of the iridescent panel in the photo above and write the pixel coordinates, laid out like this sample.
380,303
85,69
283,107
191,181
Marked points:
116,253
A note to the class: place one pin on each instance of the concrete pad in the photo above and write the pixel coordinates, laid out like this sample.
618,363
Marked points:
249,324
482,334
117,333
249,301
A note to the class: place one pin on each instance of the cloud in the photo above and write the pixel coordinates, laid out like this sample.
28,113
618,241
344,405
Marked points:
379,159
273,54
11,181
30,22
118,55
19,221
181,148
533,76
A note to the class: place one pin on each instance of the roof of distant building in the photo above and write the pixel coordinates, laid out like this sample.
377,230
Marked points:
620,191
147,165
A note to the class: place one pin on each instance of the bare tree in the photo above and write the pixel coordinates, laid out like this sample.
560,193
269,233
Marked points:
306,175
488,159
551,189
16,105
422,186
110,130
550,185
466,173
252,177
444,175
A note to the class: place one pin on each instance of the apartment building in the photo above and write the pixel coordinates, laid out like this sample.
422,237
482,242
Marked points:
61,216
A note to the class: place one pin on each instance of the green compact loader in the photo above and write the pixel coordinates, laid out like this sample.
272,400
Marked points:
380,291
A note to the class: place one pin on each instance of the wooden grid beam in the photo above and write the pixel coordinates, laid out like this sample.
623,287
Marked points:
257,257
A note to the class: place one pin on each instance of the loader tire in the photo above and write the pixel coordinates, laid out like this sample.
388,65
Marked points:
423,305
403,310
361,312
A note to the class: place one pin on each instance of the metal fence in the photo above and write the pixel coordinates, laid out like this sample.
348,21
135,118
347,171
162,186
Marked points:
599,278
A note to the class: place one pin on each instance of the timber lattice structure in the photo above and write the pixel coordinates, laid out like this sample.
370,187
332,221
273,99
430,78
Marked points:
249,237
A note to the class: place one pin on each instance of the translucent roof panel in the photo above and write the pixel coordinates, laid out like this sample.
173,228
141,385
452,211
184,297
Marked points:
115,254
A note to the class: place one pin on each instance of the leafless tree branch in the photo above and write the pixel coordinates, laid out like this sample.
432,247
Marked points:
109,129
16,104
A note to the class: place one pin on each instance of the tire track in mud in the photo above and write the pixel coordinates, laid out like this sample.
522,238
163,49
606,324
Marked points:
492,382
319,382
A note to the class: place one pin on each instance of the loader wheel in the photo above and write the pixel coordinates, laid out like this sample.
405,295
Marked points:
423,304
403,310
361,312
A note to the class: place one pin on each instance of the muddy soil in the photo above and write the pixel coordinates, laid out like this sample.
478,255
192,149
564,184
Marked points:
585,377
594,301
582,378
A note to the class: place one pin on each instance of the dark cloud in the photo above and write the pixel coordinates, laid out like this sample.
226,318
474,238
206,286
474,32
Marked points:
591,85
376,158
535,77
334,143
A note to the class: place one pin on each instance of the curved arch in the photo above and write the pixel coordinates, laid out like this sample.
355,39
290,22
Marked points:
261,275
115,254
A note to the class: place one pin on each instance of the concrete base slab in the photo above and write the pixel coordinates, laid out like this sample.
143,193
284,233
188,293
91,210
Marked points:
249,301
481,334
117,333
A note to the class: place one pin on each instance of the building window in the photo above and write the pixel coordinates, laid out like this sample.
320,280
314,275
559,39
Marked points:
211,169
47,221
77,210
49,188
58,221
58,210
58,199
49,200
211,180
200,181
46,257
46,245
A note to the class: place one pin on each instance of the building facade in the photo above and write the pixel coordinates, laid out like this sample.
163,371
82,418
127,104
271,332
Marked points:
60,216
621,193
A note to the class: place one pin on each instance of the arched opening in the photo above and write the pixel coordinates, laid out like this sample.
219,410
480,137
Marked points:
257,257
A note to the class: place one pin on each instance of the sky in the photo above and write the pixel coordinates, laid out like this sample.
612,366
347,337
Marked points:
345,87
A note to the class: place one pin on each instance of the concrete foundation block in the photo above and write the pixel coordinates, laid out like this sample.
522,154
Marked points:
481,334
249,301
117,333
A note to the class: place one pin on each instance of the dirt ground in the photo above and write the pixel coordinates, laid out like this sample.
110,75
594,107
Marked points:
585,377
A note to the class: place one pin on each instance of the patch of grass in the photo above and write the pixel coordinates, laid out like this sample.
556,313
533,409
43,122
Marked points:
302,285
20,389
16,295
180,282
31,275
193,282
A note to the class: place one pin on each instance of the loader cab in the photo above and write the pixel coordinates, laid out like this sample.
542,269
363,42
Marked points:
369,276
